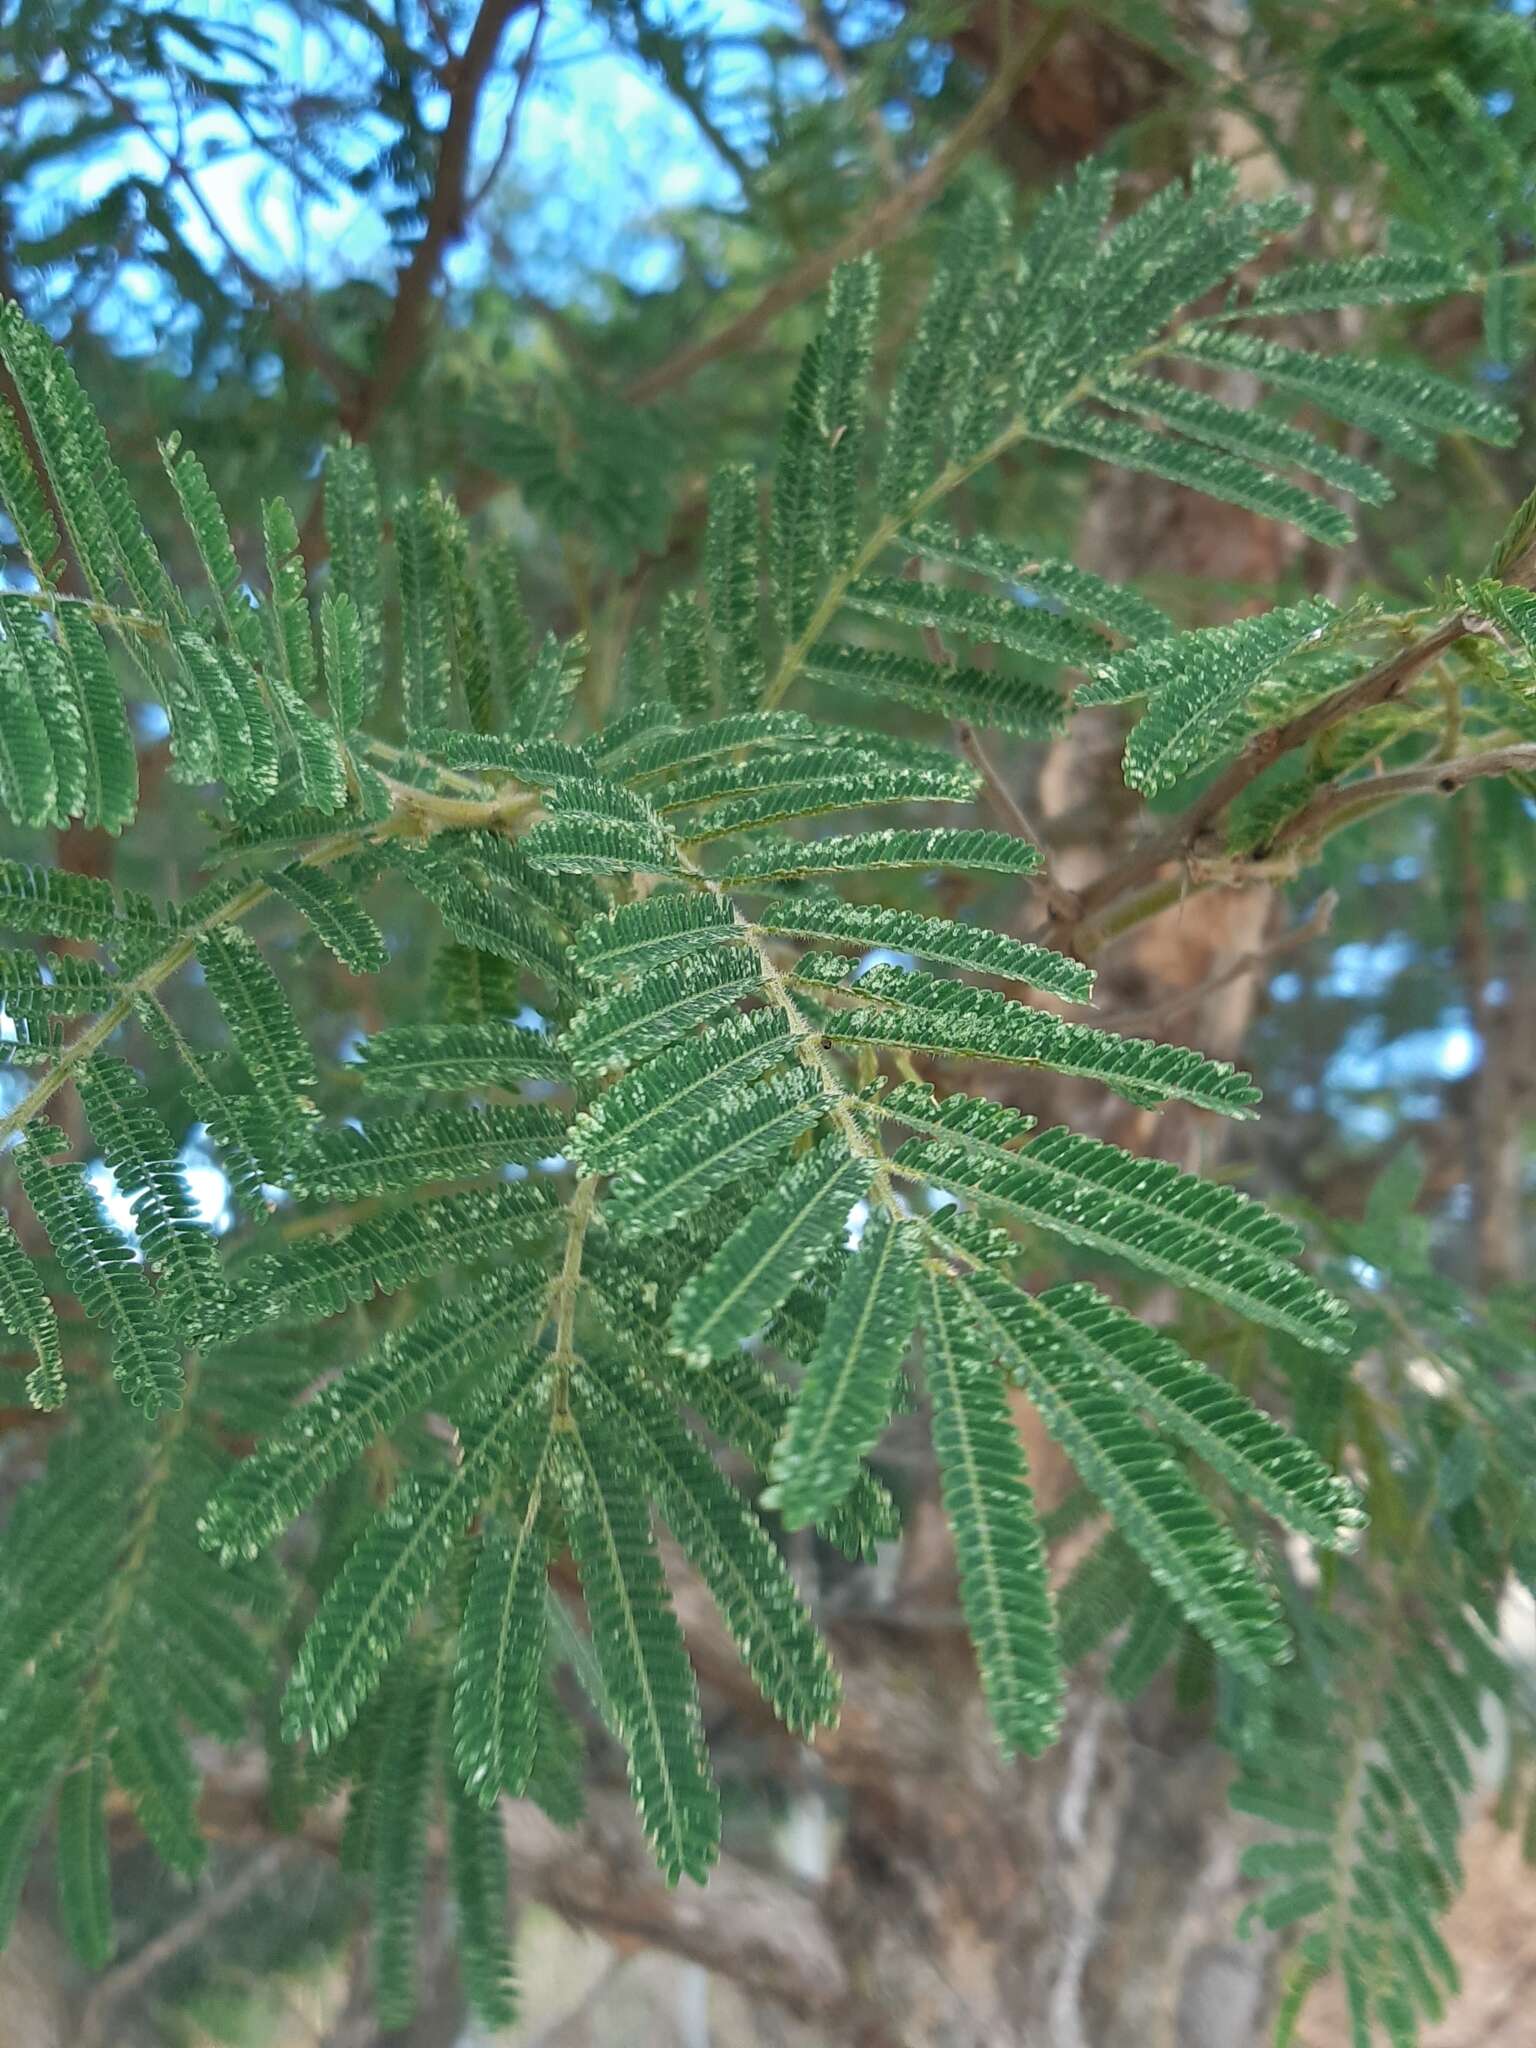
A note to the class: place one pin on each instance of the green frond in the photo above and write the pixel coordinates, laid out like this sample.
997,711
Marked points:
1199,467
739,1134
151,1762
320,1276
1391,280
1091,600
1381,397
499,1673
142,1155
264,1033
931,938
57,985
684,661
656,752
600,846
650,1103
353,531
664,927
1100,1597
797,506
1258,1459
477,917
844,364
413,1059
745,1405
780,1239
1152,1638
785,772
1196,1233
1258,437
368,1607
846,1397
101,1270
407,1775
863,783
477,1857
343,657
404,1373
542,706
731,550
396,1155
27,1313
937,372
29,772
727,1545
25,503
1193,684
940,850
338,919
66,906
987,1498
1020,704
640,1652
978,617
1187,1550
616,1029
424,552
495,688
68,678
85,1894
919,1013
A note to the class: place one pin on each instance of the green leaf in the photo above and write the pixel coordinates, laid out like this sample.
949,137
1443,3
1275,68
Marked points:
1199,467
407,1777
85,1883
499,1674
403,1373
1018,704
399,1155
729,1548
684,663
731,568
263,1030
640,1652
26,1312
410,1059
617,1029
656,1188
938,850
1086,597
919,1013
1194,1232
1187,1550
780,1239
987,1498
933,938
339,920
353,531
976,616
845,1399
666,926
657,1098
478,1862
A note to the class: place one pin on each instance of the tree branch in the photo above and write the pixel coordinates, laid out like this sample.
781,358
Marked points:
1340,803
1179,840
871,230
447,218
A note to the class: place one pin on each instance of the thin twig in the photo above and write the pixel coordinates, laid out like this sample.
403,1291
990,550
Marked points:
1154,1016
185,1933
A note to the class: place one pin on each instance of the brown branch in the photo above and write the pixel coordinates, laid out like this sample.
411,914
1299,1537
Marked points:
1340,803
1179,840
870,231
448,215
176,1939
